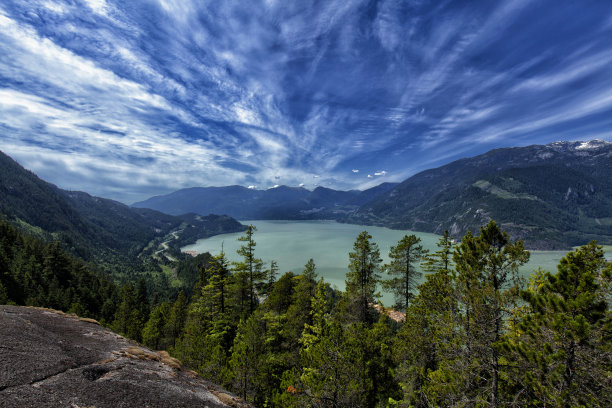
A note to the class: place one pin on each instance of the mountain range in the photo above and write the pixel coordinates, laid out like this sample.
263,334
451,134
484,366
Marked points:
553,196
281,202
93,228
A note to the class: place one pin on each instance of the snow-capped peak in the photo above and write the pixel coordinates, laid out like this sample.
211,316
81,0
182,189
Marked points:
592,144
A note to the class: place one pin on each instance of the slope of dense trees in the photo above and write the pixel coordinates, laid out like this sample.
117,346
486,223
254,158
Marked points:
107,233
473,334
39,274
35,273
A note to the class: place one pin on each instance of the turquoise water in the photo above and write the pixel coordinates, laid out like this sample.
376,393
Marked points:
292,243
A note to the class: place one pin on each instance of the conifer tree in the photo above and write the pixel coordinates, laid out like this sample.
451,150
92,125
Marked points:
431,333
405,257
299,312
142,298
153,331
246,359
488,283
326,373
363,276
564,351
176,320
442,259
310,270
129,320
249,271
214,293
271,277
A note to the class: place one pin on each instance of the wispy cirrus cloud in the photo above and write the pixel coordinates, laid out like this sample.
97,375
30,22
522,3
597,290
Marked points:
131,99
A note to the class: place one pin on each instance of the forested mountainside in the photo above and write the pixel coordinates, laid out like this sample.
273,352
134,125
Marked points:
552,196
287,203
103,231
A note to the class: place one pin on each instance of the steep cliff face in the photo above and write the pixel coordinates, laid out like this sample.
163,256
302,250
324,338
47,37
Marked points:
49,359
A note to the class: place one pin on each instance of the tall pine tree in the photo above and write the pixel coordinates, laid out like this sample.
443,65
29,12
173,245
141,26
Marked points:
249,272
363,277
403,269
564,349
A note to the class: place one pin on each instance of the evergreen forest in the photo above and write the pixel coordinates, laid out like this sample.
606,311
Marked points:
471,334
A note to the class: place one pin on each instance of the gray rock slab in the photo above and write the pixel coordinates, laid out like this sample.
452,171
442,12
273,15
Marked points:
50,359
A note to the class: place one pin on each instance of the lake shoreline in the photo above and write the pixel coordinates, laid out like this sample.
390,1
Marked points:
291,243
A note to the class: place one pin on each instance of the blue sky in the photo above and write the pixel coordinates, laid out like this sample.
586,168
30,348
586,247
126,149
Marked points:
128,99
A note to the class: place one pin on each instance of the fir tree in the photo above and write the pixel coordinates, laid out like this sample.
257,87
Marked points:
246,359
249,271
271,276
215,292
405,257
564,350
442,259
153,332
487,268
363,276
176,319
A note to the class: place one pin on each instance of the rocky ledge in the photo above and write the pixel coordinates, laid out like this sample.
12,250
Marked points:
50,359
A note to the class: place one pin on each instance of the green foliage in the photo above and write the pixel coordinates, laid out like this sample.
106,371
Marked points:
271,278
250,272
37,274
362,278
176,319
192,270
468,339
403,270
153,333
432,333
129,318
487,284
442,259
280,297
310,270
245,363
215,292
563,339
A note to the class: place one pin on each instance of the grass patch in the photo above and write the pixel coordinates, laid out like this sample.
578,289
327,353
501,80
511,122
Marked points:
169,272
500,192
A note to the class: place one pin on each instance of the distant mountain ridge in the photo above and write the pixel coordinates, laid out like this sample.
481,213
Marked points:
91,227
553,196
275,203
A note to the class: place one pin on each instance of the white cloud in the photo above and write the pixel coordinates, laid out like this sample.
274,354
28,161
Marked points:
380,173
98,6
251,187
355,171
570,71
54,7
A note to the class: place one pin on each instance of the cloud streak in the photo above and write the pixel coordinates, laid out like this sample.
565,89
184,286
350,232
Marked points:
132,99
